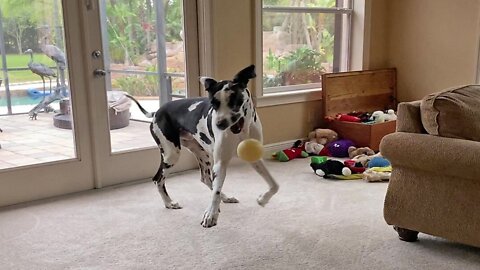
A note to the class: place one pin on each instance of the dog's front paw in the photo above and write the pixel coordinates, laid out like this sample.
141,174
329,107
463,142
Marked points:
210,218
263,199
173,205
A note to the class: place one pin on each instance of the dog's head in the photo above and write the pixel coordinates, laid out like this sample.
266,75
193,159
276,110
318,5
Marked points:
227,98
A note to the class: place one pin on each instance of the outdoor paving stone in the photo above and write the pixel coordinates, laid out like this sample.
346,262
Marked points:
26,141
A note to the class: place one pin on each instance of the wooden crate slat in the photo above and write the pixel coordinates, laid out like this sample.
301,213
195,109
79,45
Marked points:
364,104
367,90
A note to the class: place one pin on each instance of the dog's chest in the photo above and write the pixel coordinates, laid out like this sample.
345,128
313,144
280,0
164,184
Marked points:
207,133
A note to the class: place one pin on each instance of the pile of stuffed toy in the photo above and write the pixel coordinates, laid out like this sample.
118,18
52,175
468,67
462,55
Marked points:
365,117
334,158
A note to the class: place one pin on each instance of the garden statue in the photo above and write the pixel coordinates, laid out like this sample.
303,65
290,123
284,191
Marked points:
60,90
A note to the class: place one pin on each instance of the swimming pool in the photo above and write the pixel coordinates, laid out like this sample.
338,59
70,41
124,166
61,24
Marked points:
23,104
20,100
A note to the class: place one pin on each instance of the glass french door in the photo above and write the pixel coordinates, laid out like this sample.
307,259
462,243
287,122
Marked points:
45,143
147,49
86,134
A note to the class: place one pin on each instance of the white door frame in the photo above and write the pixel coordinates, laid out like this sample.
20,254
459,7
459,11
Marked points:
55,178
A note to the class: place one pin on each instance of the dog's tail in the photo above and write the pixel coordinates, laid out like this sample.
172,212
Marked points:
147,114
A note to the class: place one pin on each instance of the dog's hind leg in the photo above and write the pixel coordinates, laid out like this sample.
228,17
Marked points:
169,155
159,180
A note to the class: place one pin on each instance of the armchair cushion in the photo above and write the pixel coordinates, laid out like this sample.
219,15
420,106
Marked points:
453,113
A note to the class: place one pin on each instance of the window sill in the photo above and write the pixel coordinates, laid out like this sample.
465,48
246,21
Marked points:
289,97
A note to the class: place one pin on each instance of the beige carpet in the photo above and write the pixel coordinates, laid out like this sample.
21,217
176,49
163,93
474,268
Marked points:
311,223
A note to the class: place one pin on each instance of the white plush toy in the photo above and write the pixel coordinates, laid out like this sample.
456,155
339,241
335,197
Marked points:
313,148
380,117
391,115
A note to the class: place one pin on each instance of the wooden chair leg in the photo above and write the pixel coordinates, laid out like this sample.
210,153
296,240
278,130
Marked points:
406,234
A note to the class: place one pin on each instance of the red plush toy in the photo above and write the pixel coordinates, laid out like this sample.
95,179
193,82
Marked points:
355,167
347,118
296,151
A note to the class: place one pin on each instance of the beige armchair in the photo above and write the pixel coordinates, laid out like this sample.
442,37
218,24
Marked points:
435,154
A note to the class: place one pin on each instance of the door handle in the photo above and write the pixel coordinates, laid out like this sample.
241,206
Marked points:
96,54
99,72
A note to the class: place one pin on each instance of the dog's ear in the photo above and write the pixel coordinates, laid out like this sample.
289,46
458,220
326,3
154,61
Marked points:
208,83
245,74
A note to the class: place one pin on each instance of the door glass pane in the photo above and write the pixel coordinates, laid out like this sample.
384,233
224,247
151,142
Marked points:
35,115
144,57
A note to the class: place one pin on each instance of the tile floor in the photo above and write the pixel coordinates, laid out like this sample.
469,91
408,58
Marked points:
27,142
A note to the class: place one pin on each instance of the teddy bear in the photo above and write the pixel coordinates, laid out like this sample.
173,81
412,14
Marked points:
354,151
322,136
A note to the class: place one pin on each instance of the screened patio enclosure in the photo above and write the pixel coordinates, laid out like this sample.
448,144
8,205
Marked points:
144,55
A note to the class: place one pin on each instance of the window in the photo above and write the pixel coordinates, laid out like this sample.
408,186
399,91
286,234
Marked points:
302,39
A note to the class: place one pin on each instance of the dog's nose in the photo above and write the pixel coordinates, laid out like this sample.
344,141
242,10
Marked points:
222,124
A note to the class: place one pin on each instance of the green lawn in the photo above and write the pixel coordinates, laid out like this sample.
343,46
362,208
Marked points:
20,61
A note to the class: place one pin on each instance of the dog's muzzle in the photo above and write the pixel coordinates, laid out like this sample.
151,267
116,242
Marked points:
237,127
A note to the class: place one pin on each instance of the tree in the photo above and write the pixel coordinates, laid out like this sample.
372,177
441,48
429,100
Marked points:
15,27
18,18
131,26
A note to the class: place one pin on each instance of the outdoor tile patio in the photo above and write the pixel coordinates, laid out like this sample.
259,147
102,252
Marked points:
27,142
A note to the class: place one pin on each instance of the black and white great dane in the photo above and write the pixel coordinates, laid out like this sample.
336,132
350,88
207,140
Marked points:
211,128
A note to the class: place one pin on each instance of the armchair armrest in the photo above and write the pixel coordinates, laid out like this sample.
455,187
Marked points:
425,152
409,117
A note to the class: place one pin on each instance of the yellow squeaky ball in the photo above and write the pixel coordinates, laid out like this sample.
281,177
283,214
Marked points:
250,150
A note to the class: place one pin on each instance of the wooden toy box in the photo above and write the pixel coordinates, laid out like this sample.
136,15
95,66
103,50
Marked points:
362,91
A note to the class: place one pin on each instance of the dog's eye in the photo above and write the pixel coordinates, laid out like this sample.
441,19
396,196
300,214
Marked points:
235,102
215,103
